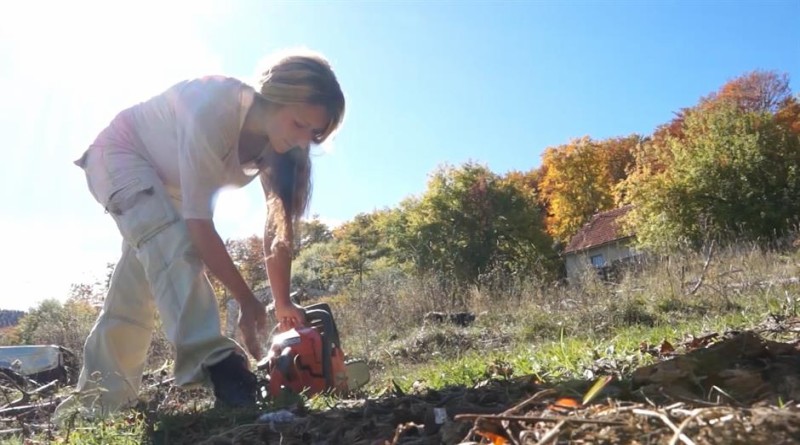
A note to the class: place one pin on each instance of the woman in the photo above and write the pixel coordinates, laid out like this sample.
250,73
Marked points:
156,169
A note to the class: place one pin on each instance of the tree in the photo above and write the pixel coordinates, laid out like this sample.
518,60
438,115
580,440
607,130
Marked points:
52,322
575,186
247,255
92,294
316,267
788,116
468,221
357,244
755,91
734,173
311,232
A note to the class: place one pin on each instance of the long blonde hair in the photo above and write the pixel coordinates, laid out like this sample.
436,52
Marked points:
297,77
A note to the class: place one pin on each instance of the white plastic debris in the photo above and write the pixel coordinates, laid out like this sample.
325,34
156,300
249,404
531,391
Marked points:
276,418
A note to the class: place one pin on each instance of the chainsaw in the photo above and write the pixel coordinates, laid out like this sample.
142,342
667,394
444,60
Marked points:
310,359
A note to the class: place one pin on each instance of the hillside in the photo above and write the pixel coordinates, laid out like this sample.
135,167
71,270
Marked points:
10,317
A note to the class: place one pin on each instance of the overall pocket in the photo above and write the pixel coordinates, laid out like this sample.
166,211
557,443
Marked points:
141,209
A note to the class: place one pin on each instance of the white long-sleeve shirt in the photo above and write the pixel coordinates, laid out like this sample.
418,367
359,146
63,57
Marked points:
190,134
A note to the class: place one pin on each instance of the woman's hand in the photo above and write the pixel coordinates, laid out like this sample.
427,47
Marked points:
289,316
252,322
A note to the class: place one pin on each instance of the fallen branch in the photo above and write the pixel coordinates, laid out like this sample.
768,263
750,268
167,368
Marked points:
535,419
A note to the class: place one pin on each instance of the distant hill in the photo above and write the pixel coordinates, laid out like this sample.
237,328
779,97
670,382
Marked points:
9,317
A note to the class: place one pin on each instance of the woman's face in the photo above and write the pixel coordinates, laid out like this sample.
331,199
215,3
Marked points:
296,125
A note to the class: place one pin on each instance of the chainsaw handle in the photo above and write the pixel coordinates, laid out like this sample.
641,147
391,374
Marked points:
320,313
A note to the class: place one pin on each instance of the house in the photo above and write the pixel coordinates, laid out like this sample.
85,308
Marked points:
600,244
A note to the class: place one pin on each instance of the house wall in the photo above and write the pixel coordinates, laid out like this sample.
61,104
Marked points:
576,263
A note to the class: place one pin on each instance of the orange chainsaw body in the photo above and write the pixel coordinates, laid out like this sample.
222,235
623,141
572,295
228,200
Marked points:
307,359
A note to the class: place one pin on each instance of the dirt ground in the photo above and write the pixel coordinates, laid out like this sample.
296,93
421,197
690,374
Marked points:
729,388
721,388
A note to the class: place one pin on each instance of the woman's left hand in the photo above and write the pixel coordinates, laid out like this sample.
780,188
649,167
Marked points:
289,316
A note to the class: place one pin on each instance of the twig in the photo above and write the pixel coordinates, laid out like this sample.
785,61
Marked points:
539,395
510,435
17,409
667,422
45,387
401,430
688,400
23,400
553,433
472,432
705,269
161,383
11,431
535,419
683,425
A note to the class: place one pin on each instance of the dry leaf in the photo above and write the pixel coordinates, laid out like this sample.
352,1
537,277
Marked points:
495,438
565,404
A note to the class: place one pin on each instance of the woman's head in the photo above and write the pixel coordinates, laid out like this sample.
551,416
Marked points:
305,106
305,83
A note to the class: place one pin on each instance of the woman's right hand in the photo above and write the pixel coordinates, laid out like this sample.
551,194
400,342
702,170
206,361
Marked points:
252,322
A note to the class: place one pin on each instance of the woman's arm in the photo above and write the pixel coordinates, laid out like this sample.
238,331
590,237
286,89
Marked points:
279,270
215,256
278,259
212,251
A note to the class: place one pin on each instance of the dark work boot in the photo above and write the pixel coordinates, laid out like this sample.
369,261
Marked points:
234,385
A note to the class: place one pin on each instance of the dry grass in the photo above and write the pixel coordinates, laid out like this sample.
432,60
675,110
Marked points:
741,282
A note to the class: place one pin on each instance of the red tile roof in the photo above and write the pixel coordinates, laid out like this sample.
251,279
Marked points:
601,229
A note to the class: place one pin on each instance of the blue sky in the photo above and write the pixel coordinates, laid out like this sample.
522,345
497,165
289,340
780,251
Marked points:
427,83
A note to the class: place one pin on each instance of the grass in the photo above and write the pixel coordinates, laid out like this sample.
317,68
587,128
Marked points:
553,333
564,358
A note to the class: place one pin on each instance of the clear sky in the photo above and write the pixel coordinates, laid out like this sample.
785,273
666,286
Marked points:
427,83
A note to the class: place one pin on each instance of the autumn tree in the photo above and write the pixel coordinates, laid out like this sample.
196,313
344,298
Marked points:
788,116
579,179
734,173
756,91
526,183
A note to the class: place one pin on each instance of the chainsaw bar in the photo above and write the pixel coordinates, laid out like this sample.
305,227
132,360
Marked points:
357,372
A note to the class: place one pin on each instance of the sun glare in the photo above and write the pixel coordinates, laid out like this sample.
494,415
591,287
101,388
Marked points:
107,51
65,69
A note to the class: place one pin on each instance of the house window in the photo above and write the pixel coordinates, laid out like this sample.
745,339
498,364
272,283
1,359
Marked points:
598,261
